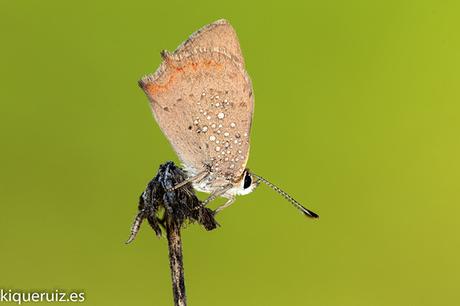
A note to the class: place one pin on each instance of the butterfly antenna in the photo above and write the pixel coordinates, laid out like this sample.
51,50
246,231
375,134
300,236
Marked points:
296,204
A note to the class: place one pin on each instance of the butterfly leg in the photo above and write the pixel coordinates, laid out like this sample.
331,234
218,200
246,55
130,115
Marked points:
216,193
196,178
227,204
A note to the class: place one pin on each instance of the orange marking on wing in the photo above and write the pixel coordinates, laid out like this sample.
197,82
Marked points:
194,66
154,88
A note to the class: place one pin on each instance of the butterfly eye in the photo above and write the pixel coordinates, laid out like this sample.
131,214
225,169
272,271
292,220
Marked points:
247,180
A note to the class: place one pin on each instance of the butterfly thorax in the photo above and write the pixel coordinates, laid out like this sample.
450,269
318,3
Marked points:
214,181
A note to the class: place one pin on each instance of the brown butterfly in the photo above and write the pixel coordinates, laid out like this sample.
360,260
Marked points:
202,99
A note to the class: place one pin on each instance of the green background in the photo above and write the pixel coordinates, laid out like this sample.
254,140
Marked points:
357,115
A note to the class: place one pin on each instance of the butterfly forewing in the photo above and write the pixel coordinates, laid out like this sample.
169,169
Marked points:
202,100
219,34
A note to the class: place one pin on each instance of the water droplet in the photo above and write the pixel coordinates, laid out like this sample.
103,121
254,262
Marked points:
227,144
236,141
212,137
239,151
217,97
213,125
220,125
220,115
205,129
218,132
226,134
232,166
203,94
217,104
217,149
217,141
195,122
232,125
208,117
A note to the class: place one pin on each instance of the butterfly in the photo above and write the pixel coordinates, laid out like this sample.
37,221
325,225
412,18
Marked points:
202,99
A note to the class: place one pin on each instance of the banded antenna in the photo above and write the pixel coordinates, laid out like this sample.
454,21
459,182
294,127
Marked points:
291,200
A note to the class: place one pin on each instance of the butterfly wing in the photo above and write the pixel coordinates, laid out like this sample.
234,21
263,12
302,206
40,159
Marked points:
202,100
219,34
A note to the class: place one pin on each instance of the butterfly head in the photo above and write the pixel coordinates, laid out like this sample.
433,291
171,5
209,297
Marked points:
246,184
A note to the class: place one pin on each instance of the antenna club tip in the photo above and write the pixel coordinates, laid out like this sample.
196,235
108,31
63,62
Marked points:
311,215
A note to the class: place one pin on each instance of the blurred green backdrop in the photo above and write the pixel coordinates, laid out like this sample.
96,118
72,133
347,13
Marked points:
357,115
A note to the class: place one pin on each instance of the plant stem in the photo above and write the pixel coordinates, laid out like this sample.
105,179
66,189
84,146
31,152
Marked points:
176,263
179,205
